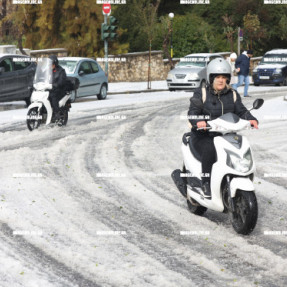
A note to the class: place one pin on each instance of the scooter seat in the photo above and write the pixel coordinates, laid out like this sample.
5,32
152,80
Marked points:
193,150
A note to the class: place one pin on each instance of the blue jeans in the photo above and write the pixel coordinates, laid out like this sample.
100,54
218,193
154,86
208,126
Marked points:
242,78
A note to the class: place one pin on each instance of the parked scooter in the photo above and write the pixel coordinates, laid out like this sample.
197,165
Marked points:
232,189
40,110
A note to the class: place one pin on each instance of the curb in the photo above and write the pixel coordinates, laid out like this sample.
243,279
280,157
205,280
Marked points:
167,90
138,91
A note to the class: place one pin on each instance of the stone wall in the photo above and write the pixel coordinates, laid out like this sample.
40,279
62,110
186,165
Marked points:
134,68
60,52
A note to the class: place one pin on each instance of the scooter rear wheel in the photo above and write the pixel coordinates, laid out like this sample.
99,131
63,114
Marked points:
33,121
196,209
244,218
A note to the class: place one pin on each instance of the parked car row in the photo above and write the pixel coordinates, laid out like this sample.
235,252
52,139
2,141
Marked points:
190,72
17,75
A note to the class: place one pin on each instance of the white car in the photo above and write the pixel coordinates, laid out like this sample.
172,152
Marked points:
190,72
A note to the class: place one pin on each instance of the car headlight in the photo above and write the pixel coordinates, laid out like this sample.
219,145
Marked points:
255,70
239,164
278,71
169,76
193,76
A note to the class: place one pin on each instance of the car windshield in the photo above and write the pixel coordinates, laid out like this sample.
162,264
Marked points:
68,65
193,62
274,59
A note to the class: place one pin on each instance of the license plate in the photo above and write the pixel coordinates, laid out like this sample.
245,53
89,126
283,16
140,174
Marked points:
264,77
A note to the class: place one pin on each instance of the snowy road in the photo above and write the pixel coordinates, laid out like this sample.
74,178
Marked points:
99,207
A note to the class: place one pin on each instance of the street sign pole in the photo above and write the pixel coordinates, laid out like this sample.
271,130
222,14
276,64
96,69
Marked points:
238,41
106,49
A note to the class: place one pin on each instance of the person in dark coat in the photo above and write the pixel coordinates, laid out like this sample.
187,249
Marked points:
58,84
219,99
242,65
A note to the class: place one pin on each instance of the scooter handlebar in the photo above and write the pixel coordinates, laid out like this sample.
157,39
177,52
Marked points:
208,127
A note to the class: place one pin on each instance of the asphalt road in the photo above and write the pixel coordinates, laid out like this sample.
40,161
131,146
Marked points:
103,210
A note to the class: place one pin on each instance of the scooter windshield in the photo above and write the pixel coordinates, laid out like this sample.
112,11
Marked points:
230,117
43,71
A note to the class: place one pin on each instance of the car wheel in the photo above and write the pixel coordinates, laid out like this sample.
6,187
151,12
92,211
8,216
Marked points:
256,85
203,84
285,81
103,92
171,90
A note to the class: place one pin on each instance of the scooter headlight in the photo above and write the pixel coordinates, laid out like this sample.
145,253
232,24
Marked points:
239,164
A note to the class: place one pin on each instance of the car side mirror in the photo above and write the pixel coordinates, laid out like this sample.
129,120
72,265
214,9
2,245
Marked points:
2,70
81,73
258,104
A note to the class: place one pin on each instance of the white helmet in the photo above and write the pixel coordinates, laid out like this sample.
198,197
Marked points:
233,56
218,67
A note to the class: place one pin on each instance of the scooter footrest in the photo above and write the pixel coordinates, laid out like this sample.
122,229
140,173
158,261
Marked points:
194,181
179,182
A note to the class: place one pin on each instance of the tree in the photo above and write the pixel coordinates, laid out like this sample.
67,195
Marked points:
20,22
283,28
251,26
146,11
72,24
229,29
166,29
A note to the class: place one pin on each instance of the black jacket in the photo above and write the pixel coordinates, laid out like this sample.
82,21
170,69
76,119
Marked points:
216,105
58,82
243,62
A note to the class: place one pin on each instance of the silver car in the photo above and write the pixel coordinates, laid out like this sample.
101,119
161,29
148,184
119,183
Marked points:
93,80
190,72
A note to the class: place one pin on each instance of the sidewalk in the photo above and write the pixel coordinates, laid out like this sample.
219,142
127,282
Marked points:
160,86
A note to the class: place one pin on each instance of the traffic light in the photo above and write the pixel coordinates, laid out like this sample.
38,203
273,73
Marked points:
113,28
105,31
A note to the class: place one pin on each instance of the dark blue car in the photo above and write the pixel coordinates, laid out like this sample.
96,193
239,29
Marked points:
16,77
272,69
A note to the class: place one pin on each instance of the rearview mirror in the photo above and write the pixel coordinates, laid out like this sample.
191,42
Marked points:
81,73
258,104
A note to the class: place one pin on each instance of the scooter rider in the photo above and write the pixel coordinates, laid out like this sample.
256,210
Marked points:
58,84
218,98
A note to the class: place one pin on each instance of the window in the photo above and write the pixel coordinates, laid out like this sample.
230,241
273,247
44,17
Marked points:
86,68
95,67
69,66
7,65
21,65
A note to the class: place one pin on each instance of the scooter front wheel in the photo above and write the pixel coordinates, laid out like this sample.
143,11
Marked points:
244,218
33,119
196,209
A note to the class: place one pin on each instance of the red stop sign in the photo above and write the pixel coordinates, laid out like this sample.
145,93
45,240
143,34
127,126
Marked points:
107,8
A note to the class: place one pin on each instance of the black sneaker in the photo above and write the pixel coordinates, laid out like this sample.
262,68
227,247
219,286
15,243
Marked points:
206,190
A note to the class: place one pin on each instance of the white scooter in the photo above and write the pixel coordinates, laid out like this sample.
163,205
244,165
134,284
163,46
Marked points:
40,110
231,182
